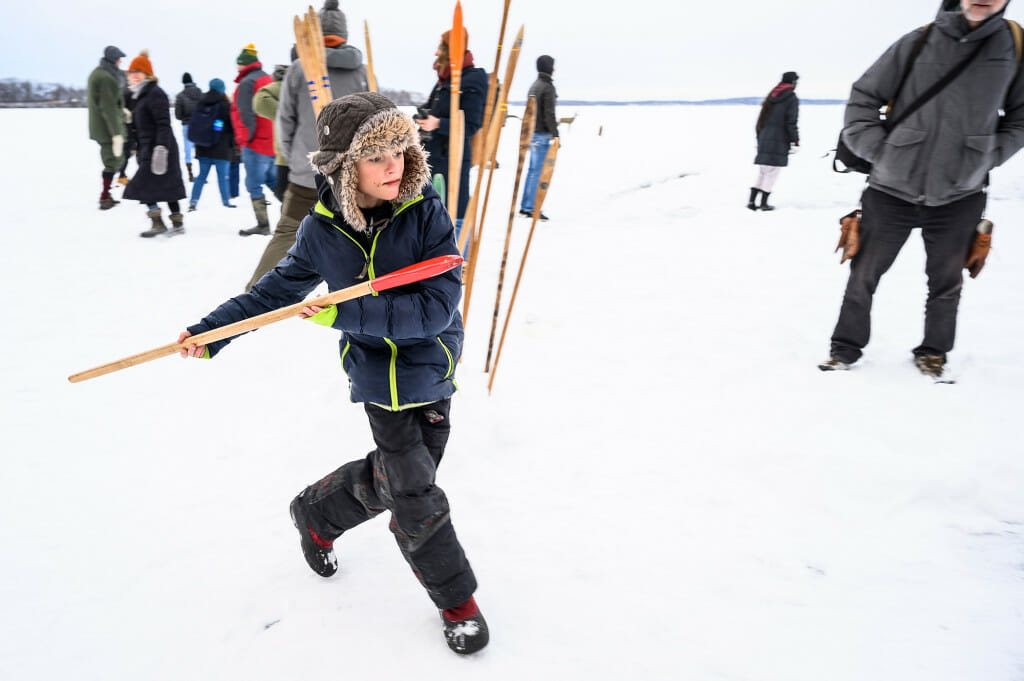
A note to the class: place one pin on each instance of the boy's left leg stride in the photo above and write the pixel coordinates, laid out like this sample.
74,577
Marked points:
399,476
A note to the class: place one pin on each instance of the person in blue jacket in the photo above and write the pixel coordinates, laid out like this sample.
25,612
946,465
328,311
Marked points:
377,213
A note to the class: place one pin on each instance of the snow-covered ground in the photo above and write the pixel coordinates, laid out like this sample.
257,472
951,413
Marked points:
661,485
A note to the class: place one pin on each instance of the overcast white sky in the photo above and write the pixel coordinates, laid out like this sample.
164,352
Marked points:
636,50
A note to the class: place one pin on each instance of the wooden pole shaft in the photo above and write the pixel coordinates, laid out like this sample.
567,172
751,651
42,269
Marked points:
525,136
542,190
406,275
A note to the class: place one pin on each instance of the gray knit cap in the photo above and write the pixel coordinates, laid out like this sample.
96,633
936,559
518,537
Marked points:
332,20
358,126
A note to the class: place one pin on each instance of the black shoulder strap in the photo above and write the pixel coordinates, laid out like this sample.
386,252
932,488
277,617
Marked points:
910,64
934,89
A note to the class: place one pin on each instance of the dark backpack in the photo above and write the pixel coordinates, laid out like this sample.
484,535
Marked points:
206,124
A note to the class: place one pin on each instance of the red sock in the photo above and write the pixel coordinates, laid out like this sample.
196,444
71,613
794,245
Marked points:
318,540
462,612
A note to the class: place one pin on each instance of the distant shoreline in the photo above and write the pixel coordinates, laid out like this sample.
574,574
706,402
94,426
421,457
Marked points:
679,102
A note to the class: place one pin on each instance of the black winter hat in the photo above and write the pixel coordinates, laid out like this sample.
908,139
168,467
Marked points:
545,64
358,126
790,77
112,53
186,78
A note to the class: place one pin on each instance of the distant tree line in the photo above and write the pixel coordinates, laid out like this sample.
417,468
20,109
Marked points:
26,92
403,97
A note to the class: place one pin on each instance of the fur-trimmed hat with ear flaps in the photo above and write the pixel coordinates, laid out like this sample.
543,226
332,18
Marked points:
358,126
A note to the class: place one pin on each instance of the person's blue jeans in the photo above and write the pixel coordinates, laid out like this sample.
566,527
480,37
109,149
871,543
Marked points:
188,144
259,171
234,177
223,172
538,151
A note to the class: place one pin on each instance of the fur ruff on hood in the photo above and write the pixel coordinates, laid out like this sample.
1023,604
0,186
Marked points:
382,132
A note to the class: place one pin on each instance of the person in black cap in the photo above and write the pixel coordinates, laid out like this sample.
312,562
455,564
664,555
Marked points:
184,104
378,212
106,117
544,130
777,137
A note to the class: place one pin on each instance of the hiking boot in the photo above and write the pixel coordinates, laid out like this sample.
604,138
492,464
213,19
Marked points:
834,364
177,224
108,203
318,552
764,201
158,225
930,365
192,208
259,207
465,629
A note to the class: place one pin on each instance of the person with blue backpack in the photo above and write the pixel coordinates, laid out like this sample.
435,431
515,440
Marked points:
210,130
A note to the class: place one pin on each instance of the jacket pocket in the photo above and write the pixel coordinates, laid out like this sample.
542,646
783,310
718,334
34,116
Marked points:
899,158
978,158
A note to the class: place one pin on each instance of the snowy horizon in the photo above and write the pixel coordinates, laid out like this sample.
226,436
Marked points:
661,485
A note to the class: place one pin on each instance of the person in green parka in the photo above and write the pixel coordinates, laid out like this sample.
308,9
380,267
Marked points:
106,117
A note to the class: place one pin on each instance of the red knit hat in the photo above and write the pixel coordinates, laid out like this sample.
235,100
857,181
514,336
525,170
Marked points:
142,63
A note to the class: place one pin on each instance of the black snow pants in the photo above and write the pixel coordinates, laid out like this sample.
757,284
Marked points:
948,232
399,476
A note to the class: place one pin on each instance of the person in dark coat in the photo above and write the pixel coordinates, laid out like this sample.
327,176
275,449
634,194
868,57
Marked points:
184,104
438,117
777,137
377,212
545,128
159,175
106,117
218,155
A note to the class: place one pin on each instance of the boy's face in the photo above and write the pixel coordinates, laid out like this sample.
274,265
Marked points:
380,176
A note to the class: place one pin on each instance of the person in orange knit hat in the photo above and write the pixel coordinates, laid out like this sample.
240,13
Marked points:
159,175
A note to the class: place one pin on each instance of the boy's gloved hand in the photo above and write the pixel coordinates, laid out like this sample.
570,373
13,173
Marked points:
324,316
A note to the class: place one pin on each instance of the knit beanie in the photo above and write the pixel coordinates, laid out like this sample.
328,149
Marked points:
186,78
248,55
217,84
112,54
790,77
545,64
332,20
358,126
142,63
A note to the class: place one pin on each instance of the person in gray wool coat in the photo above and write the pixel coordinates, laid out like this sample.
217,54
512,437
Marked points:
777,137
930,171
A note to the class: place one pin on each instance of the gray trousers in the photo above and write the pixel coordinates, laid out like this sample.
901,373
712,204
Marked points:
886,222
297,202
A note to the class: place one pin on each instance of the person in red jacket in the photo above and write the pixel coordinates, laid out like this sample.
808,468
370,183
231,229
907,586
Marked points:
255,136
